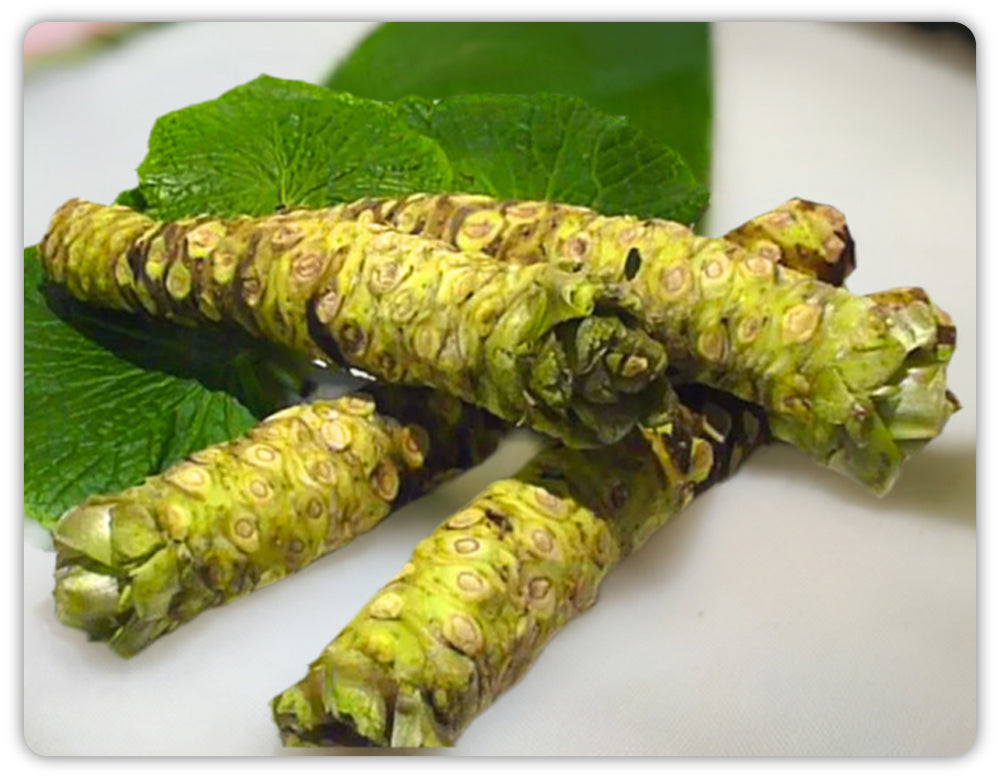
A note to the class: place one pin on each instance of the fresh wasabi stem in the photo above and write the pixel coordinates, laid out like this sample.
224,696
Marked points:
548,347
811,237
803,235
482,595
232,518
856,382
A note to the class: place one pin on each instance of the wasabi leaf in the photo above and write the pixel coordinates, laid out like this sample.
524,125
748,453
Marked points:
558,148
109,399
658,74
273,144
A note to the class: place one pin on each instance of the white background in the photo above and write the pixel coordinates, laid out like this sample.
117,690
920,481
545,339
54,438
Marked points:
784,613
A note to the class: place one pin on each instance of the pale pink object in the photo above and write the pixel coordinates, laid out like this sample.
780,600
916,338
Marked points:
48,37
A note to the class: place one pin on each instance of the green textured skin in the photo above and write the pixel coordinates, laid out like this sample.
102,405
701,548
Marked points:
811,237
544,346
856,382
482,595
237,516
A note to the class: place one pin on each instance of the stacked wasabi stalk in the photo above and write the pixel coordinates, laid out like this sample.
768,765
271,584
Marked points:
544,346
482,595
856,382
237,516
809,237
107,584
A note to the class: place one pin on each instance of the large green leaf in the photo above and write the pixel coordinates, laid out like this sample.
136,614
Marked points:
271,144
658,74
111,398
560,148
